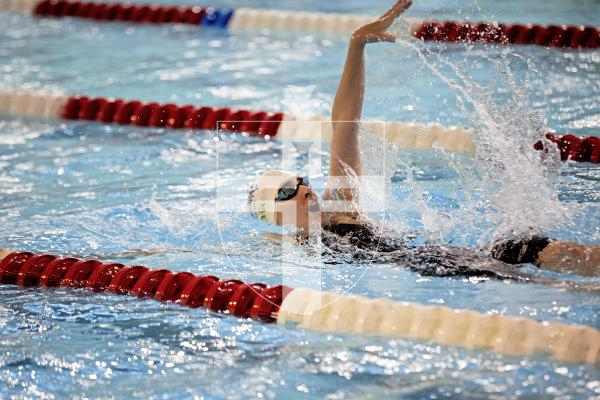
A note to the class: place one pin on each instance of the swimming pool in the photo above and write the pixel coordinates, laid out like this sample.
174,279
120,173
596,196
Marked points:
143,196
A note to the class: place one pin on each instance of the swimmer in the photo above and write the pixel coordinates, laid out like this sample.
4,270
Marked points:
282,198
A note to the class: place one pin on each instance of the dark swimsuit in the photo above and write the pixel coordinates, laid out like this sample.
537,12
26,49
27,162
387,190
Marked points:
361,243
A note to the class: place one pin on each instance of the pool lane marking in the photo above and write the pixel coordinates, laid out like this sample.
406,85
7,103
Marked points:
260,123
453,327
565,36
309,309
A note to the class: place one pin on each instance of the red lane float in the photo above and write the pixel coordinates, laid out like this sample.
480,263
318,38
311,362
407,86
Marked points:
31,272
55,271
541,35
136,13
123,112
11,266
102,276
581,149
256,300
157,115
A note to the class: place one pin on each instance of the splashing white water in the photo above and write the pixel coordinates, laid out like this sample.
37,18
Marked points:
511,187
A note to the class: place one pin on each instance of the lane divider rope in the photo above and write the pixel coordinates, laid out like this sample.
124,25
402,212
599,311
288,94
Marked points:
309,309
255,300
261,123
570,36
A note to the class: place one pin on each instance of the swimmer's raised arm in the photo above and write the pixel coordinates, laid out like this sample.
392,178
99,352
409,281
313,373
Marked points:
347,106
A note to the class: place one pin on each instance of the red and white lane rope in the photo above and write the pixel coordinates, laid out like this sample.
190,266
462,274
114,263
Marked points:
245,18
261,123
308,309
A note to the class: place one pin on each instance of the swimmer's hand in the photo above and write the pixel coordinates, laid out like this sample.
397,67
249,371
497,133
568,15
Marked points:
376,30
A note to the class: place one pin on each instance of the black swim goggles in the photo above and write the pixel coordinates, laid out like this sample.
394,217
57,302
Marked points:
287,191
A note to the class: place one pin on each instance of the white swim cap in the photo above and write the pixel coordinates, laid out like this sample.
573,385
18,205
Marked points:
261,198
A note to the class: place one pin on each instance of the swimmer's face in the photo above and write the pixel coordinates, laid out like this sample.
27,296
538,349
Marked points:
301,210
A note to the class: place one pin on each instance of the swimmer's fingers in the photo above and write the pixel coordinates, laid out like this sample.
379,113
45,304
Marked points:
375,31
390,15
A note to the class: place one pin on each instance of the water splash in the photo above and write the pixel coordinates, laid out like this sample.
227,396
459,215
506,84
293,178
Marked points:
509,186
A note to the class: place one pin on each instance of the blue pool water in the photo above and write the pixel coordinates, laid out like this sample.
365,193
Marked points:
142,196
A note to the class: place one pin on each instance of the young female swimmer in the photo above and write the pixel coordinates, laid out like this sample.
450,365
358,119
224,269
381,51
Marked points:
283,198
